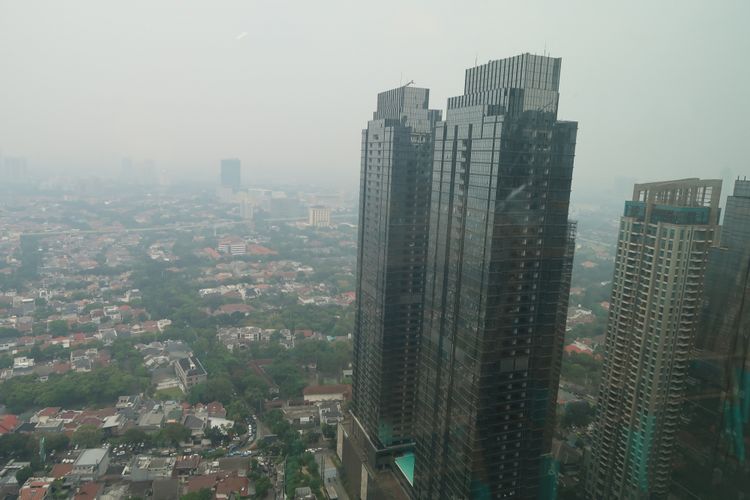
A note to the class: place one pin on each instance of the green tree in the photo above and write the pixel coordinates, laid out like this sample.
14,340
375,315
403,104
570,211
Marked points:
87,436
288,376
262,486
214,435
6,332
58,490
577,413
23,474
134,436
58,328
214,389
329,431
6,361
17,446
174,434
202,494
56,441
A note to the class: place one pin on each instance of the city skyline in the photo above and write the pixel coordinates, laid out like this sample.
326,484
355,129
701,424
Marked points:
176,82
392,250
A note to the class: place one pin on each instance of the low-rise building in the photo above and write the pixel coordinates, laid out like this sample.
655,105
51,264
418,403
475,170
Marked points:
336,392
186,465
22,362
125,402
91,464
35,488
330,413
330,473
304,493
190,371
232,246
301,415
8,484
151,420
148,468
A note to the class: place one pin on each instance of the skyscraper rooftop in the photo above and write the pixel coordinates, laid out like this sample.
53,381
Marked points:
515,84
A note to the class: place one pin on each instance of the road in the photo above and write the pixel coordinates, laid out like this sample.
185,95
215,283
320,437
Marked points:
319,458
174,227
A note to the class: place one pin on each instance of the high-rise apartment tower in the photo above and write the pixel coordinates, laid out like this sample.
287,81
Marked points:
394,205
713,444
496,291
665,235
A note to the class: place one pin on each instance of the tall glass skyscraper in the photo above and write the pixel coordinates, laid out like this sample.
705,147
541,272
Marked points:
497,281
394,201
714,442
666,232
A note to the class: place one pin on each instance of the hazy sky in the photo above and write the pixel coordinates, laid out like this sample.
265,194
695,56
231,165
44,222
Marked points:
660,89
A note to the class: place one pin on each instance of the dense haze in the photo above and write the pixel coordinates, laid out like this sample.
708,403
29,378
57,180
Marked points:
659,88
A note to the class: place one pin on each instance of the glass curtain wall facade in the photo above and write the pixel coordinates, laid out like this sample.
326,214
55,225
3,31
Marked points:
394,202
497,283
664,239
714,442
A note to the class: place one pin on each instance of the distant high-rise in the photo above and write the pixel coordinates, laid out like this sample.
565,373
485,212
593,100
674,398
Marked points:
394,202
665,235
230,173
13,168
319,216
497,281
712,447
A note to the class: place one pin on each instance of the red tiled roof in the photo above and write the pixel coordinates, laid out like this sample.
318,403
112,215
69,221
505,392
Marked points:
573,348
60,470
149,326
253,249
50,411
88,490
215,406
233,308
233,484
197,483
8,423
90,421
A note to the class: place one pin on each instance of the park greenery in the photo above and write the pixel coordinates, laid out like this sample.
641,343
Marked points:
301,469
582,370
577,414
101,386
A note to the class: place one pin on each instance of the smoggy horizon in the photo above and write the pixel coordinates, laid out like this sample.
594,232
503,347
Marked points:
288,86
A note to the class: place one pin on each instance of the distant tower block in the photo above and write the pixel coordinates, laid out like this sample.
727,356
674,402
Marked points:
319,216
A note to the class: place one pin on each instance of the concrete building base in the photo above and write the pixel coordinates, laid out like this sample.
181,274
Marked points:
369,472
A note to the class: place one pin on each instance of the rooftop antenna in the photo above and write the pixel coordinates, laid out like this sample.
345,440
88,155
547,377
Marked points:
476,58
411,82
